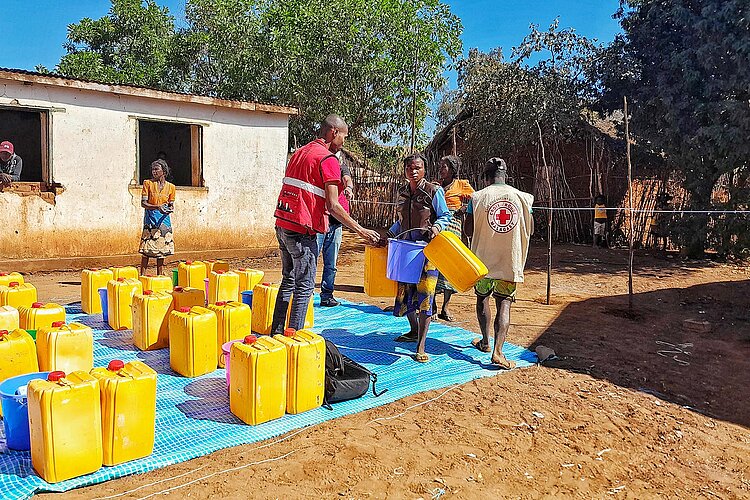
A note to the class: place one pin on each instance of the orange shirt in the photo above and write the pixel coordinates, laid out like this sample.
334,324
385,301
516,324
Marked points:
154,196
453,193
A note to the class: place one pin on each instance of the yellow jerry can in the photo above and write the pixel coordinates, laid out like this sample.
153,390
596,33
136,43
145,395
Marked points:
377,283
306,365
91,281
156,283
65,347
249,279
191,274
193,341
215,265
455,261
120,294
128,400
264,300
17,294
188,297
17,355
8,278
223,286
233,319
151,320
127,272
40,315
257,384
9,319
65,425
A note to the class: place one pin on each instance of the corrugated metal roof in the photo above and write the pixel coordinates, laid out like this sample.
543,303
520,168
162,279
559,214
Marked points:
138,91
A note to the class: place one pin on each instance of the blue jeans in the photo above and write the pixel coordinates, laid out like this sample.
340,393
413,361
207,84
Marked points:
329,245
299,260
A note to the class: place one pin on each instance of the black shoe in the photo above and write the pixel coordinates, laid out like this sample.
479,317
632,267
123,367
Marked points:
329,302
407,337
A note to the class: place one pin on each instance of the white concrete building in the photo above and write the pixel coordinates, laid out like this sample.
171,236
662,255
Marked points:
86,148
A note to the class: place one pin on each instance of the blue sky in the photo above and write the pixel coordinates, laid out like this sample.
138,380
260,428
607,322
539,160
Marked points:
34,30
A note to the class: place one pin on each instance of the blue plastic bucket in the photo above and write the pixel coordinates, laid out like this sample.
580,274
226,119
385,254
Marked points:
105,304
247,298
405,260
16,410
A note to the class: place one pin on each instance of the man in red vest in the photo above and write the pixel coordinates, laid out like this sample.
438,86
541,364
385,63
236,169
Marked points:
310,192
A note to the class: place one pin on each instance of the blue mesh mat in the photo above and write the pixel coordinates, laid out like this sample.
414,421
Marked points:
193,417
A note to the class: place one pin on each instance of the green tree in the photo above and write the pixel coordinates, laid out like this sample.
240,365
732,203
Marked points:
354,57
685,66
135,43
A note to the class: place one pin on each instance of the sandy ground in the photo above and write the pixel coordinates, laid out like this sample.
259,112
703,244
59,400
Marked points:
614,417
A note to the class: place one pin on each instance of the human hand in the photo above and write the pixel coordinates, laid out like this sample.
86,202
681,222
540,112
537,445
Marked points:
465,198
371,237
349,192
5,179
382,242
434,231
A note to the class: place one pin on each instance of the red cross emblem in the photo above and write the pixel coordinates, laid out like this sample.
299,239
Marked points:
502,216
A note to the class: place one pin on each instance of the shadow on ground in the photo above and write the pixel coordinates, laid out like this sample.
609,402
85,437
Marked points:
651,350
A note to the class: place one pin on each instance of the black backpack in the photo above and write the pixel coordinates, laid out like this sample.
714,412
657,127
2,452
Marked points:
346,379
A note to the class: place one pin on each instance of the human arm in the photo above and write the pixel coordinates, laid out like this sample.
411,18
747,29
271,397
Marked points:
442,213
347,181
335,209
15,174
469,222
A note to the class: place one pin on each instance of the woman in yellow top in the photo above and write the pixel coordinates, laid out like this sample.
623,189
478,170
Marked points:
457,195
158,200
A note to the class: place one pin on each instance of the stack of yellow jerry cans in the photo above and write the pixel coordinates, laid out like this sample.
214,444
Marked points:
274,375
108,417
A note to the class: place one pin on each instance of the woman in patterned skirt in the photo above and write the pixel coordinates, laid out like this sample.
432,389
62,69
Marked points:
422,214
457,195
158,200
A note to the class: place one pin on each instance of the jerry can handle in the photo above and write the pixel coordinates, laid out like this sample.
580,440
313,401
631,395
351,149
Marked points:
426,230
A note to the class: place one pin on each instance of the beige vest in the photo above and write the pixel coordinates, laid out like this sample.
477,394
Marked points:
502,228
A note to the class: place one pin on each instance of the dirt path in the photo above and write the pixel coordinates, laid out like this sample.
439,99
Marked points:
614,417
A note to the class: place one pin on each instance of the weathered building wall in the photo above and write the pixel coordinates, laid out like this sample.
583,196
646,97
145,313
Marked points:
93,154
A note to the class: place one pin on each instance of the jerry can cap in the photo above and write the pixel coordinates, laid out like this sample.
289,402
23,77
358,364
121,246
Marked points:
178,289
250,339
290,332
3,274
184,309
115,365
265,283
37,305
188,262
94,268
148,292
221,303
150,275
14,283
58,324
3,333
55,376
243,269
121,279
220,272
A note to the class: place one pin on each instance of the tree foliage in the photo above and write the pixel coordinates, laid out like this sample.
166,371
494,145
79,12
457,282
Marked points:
685,66
354,57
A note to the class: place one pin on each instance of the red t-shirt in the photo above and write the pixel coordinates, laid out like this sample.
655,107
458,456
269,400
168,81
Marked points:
331,170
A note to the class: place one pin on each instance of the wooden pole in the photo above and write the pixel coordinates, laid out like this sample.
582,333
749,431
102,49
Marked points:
548,174
630,205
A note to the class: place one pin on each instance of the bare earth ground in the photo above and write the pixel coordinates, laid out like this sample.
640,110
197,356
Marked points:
611,418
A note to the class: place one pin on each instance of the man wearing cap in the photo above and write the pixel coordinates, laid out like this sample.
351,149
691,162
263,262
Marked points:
10,164
500,224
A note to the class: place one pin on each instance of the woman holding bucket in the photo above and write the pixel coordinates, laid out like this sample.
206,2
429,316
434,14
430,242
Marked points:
422,214
158,200
457,194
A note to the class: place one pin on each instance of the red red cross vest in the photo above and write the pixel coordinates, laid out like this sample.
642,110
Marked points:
302,199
